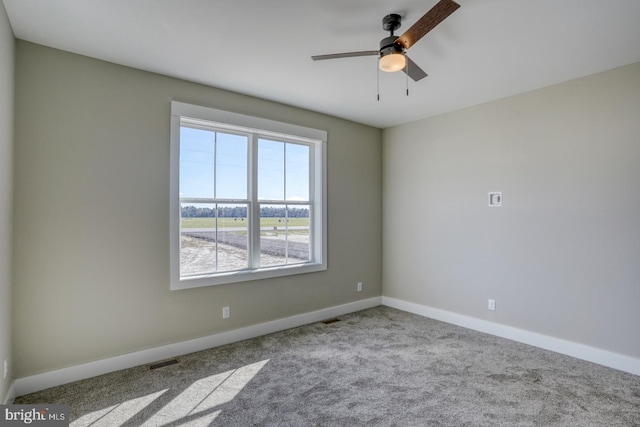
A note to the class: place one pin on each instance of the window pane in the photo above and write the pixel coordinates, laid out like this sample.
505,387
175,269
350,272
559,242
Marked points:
211,244
232,238
284,235
272,235
196,162
231,162
197,239
270,170
297,161
299,242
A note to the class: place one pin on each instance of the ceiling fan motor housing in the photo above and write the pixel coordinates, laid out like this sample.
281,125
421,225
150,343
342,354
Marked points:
388,46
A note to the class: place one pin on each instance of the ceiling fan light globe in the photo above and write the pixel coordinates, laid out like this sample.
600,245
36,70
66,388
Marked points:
393,62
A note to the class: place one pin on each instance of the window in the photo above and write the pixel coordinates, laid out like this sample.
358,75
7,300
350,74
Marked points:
247,198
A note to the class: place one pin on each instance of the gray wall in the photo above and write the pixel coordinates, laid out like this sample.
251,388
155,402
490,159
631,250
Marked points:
6,178
92,215
562,256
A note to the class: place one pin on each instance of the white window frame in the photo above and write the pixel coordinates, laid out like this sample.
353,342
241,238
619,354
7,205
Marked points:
221,119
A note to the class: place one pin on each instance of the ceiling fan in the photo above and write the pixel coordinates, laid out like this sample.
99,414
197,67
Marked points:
392,54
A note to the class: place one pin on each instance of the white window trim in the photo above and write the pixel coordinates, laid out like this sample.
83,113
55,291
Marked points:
226,119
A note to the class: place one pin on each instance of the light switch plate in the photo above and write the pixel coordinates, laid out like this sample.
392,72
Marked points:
495,198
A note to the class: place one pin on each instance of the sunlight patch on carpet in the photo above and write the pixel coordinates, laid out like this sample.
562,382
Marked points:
116,414
197,402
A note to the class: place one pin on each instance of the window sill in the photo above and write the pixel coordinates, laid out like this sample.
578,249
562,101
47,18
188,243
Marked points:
245,276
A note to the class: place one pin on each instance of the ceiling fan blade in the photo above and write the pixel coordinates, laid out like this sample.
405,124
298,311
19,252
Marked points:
428,22
413,71
346,55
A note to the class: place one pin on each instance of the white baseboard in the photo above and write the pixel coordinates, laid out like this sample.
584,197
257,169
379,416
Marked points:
49,379
11,394
45,380
579,351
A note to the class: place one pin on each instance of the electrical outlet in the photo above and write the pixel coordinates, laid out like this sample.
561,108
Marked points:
359,287
6,367
492,305
226,312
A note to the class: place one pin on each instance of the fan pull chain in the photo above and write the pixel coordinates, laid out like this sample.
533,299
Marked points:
406,73
378,69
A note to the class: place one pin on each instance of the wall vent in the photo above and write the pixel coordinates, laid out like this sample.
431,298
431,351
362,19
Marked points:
163,364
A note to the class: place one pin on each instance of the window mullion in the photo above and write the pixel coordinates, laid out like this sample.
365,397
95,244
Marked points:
215,193
286,210
254,206
286,233
217,236
284,171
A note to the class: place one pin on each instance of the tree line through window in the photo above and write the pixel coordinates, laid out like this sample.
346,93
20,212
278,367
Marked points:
241,212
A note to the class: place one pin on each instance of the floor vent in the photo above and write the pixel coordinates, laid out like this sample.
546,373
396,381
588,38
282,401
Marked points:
163,364
330,321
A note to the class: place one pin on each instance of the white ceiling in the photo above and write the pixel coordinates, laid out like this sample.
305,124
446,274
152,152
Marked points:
487,49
